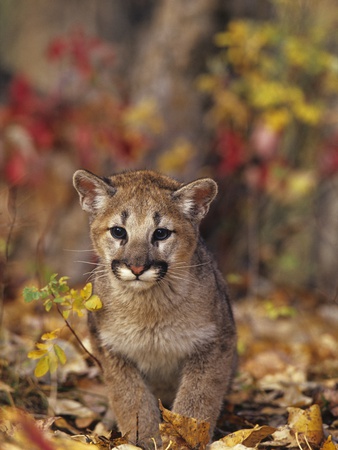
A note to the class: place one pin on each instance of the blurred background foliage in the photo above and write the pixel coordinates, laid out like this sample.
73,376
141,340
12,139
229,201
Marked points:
242,91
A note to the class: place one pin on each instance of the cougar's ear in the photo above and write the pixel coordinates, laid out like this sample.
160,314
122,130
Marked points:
195,197
93,190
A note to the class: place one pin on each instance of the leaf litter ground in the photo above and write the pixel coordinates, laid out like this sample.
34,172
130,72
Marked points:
284,396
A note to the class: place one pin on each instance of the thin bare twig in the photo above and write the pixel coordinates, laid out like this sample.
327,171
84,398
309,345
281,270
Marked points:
79,341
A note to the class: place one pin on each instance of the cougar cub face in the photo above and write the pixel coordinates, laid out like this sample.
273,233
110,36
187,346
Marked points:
143,225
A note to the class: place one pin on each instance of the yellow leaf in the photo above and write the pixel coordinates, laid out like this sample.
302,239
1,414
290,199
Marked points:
36,354
249,437
307,113
60,354
63,280
86,292
277,119
206,83
52,335
219,445
299,184
307,424
222,39
65,314
42,366
229,106
144,114
237,33
257,435
53,362
93,303
177,158
42,346
328,444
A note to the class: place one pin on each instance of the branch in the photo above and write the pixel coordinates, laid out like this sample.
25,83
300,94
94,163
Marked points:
79,341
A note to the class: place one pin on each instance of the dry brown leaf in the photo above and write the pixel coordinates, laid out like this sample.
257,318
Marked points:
307,424
5,387
62,424
293,396
183,432
45,424
282,437
257,435
249,437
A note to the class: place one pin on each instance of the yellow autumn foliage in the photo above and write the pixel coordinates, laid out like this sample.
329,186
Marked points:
57,293
144,115
280,74
177,158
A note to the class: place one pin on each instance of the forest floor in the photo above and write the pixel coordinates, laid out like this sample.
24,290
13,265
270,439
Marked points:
284,396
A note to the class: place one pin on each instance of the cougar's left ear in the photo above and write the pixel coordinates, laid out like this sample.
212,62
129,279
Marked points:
195,197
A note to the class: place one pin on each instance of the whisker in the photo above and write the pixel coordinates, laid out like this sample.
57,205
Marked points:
178,266
101,276
91,263
79,251
94,272
186,279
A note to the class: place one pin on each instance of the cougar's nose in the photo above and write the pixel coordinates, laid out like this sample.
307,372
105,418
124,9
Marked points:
137,270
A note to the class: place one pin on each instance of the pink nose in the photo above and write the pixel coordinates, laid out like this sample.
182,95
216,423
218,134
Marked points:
137,270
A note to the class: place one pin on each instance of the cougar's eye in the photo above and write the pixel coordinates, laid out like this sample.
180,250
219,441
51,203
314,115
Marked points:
161,234
118,232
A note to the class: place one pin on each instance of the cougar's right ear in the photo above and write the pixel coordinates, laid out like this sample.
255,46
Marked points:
93,190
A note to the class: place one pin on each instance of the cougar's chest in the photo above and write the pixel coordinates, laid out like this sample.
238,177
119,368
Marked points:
156,342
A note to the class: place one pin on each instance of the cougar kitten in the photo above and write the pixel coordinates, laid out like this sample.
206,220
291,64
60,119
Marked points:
166,329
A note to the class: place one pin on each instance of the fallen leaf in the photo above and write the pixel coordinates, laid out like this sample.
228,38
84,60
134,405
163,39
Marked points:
70,407
219,445
282,437
5,387
329,445
307,424
257,435
62,424
183,432
45,424
248,437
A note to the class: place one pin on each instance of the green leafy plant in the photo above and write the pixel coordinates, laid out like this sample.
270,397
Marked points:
68,302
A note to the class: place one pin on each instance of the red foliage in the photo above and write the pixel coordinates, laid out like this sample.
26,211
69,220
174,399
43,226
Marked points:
89,125
328,157
57,49
83,51
253,159
15,170
230,147
22,99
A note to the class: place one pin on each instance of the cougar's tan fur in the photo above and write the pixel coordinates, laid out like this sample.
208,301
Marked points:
166,329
